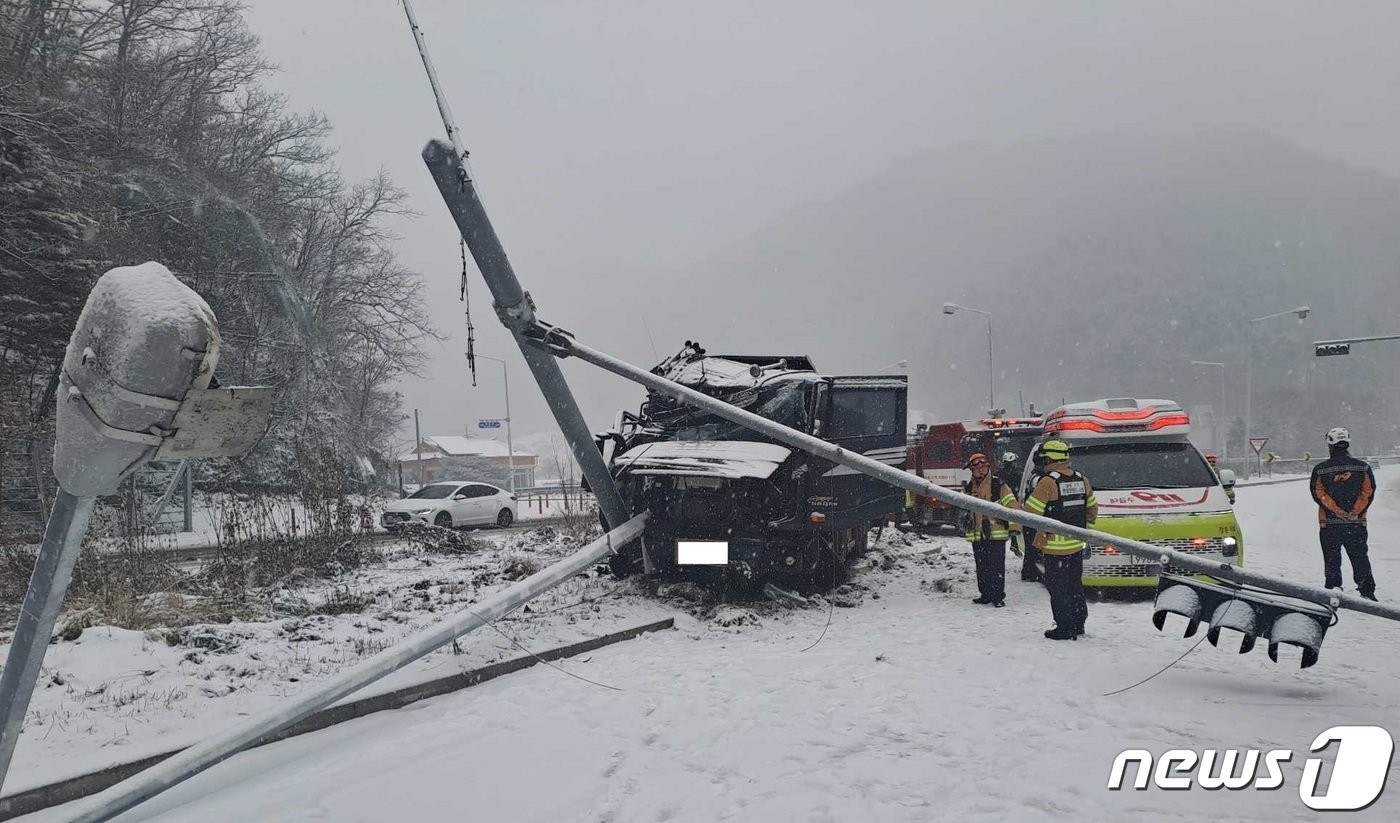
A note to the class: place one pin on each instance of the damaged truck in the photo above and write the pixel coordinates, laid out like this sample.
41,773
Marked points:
729,506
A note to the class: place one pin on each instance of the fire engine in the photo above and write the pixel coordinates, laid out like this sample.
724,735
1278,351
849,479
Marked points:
939,453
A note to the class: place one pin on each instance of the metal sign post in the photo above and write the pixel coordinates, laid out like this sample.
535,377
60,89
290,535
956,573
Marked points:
134,388
1256,444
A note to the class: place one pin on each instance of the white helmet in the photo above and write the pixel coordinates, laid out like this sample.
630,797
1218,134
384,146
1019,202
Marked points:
1338,437
1009,457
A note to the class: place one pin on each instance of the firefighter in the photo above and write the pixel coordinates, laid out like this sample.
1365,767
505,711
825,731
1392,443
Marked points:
987,534
1031,559
1065,495
1229,490
1343,487
1010,474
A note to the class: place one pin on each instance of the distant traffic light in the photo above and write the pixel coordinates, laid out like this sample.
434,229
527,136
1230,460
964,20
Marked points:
1331,349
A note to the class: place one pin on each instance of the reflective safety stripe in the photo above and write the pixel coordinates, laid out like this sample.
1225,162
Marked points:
1058,544
1009,500
1034,505
995,534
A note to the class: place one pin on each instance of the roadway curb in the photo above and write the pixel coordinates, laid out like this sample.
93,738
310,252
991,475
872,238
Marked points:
73,788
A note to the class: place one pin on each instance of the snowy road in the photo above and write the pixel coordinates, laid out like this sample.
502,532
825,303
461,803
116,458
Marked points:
915,706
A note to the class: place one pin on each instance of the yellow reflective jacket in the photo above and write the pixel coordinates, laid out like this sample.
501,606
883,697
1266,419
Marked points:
1045,493
983,490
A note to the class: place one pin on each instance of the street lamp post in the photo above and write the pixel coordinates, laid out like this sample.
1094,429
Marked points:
510,446
1300,312
952,308
1222,430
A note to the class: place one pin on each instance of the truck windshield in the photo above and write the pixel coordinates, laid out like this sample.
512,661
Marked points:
1142,466
782,402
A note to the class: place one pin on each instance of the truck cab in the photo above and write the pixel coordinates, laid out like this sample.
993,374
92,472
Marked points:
728,503
1152,485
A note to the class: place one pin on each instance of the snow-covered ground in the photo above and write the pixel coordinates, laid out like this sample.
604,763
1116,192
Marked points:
115,695
916,705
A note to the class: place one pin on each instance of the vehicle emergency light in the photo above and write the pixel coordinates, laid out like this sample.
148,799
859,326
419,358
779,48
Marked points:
1118,417
1254,614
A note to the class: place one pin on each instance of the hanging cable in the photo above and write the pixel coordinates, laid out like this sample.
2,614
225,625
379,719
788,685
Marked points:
1182,657
471,330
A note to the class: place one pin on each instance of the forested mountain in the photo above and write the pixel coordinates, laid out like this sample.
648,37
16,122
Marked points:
134,130
1110,262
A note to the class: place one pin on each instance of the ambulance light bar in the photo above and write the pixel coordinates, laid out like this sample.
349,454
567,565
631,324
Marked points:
1096,426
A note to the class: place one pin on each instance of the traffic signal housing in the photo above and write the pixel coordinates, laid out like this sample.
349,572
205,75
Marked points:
1331,349
1254,614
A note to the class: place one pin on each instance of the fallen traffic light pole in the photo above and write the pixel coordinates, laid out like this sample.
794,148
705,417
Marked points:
180,767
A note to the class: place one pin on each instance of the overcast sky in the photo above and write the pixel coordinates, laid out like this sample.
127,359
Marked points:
618,143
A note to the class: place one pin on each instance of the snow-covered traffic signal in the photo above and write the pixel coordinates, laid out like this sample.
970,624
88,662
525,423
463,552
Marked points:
1252,613
1331,349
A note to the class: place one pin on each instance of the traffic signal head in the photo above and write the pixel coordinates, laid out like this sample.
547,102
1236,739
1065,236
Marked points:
1254,614
135,384
1331,349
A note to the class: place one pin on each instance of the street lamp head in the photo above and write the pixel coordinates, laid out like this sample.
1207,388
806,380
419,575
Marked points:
902,364
949,308
1302,312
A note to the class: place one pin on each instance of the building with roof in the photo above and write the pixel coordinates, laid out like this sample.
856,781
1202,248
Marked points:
437,451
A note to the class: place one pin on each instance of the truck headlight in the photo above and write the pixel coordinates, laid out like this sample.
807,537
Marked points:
1229,547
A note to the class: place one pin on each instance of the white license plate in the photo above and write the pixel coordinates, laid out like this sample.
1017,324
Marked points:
702,553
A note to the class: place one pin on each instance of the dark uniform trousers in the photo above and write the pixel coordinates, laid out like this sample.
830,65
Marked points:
1064,578
989,557
1350,536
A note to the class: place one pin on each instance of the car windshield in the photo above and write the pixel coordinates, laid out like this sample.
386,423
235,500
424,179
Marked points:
435,492
1142,466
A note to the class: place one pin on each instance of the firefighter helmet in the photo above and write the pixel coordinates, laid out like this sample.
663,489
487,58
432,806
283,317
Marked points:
978,459
1054,451
1339,437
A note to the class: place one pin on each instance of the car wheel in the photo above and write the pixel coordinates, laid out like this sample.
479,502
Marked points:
505,518
443,520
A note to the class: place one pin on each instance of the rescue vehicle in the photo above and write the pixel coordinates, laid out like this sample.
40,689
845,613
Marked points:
939,453
1152,485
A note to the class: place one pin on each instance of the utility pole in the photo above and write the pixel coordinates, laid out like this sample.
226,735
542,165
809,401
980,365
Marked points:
1301,312
418,447
1222,428
510,444
952,308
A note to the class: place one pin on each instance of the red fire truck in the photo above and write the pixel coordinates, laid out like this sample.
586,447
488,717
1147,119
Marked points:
939,453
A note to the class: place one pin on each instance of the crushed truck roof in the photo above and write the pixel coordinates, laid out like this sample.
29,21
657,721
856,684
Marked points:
730,459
